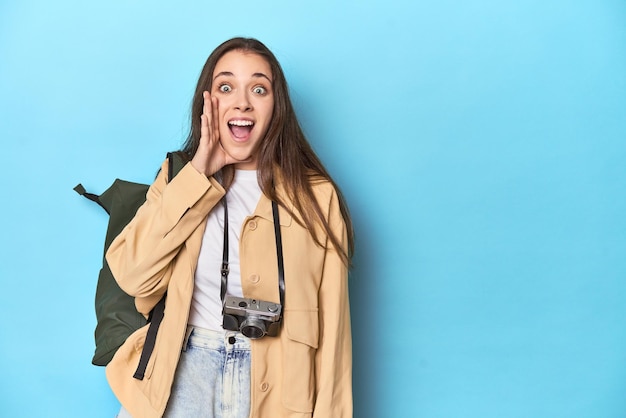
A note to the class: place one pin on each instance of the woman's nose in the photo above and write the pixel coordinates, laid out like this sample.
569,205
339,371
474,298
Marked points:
243,102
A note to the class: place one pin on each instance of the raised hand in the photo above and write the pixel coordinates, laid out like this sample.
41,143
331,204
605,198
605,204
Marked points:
210,156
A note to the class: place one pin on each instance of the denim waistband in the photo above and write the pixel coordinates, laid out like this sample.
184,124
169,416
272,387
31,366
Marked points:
216,340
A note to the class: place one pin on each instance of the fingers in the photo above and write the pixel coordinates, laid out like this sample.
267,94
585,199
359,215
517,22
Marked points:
215,118
206,104
204,129
209,128
205,125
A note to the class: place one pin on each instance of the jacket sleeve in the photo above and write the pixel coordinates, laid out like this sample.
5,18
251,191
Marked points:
334,354
141,256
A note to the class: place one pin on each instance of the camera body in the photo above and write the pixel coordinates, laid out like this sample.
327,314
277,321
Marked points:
252,317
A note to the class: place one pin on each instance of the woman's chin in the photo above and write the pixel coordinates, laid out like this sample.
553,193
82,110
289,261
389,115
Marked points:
240,156
244,161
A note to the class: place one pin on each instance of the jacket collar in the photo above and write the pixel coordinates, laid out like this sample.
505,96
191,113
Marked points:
264,208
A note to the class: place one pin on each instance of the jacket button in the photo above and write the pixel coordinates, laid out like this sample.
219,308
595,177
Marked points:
252,225
265,386
254,278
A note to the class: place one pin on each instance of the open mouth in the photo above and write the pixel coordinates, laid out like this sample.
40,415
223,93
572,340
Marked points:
240,128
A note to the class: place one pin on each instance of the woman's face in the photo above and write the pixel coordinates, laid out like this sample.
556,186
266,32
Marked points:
242,83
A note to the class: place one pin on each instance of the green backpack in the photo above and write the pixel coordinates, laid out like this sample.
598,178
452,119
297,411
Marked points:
116,314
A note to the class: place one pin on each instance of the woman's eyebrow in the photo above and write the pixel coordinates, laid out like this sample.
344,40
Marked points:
261,75
229,74
224,73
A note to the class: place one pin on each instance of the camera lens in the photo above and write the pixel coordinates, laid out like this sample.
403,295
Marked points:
253,327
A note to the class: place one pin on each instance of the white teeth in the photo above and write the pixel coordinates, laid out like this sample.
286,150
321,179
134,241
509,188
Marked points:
241,122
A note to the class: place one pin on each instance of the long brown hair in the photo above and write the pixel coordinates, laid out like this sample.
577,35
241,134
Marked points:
284,146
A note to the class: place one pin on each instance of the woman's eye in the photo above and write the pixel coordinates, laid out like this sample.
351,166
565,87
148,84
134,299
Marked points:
259,90
225,88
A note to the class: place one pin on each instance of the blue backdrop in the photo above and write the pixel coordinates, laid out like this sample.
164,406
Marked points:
481,146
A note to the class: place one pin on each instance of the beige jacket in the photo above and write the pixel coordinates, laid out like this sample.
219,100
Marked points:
304,372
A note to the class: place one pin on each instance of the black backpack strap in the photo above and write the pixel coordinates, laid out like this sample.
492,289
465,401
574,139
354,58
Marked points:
156,316
176,161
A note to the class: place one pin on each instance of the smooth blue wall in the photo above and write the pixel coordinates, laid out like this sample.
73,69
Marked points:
481,145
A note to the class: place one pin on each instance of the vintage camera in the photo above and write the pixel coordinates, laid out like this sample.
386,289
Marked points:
254,318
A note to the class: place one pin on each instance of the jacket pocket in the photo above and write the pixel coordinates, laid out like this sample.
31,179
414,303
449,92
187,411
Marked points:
148,386
302,332
132,348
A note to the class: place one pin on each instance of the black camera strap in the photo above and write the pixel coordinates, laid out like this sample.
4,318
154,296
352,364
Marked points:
224,270
279,254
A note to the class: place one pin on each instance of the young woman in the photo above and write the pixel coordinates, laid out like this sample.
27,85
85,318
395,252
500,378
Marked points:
246,151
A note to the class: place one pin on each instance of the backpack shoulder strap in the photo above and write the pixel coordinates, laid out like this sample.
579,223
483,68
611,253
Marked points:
176,161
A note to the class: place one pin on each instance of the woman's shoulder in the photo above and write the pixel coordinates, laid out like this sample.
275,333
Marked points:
322,187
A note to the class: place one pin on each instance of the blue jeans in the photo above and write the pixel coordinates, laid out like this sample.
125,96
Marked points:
212,378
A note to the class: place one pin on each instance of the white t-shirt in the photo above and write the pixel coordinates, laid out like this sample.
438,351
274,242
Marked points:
242,198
